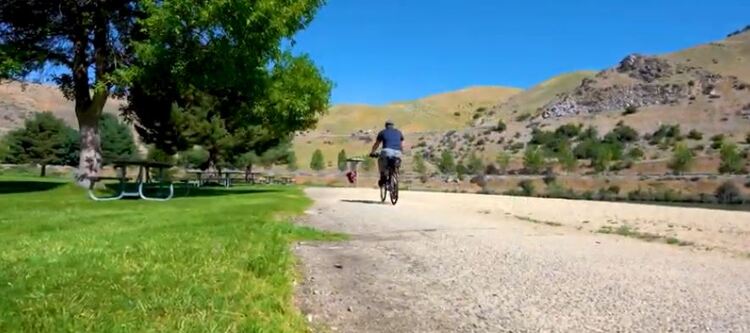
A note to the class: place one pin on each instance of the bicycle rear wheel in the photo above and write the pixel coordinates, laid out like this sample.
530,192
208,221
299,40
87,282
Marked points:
394,186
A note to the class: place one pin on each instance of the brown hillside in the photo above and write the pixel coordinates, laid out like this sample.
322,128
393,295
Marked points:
19,101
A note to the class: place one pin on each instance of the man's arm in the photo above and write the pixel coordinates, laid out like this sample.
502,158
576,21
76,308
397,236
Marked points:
375,146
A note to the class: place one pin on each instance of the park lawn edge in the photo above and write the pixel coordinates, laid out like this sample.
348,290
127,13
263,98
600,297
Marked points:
281,222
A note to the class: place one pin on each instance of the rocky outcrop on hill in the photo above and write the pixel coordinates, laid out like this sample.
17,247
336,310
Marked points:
652,81
642,68
363,135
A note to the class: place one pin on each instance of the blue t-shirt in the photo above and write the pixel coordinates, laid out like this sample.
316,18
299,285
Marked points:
391,138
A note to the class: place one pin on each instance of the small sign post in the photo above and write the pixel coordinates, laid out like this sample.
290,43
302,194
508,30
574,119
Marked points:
351,175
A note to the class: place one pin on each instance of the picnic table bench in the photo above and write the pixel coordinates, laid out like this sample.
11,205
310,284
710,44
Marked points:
223,177
143,181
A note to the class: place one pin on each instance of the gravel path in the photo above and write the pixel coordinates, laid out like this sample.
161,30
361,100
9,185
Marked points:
467,263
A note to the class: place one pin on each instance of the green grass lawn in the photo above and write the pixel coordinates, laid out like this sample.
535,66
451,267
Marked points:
218,261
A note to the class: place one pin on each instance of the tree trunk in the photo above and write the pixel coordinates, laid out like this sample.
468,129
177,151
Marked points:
90,161
248,172
44,171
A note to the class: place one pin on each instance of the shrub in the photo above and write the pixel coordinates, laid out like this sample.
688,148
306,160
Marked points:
533,160
731,161
4,149
527,187
667,134
622,133
603,156
555,190
747,138
630,109
503,160
491,169
605,194
419,166
717,140
461,170
523,117
549,176
567,159
447,164
682,159
614,189
457,114
622,165
591,133
695,135
516,147
474,165
635,153
728,193
501,127
569,130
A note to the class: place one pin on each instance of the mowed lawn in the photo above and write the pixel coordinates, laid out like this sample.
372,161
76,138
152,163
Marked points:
217,261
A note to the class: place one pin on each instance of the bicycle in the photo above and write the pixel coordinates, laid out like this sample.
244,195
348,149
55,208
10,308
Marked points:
391,184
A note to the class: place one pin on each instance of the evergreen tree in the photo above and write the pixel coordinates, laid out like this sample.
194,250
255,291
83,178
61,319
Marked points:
43,140
317,162
341,162
291,164
117,140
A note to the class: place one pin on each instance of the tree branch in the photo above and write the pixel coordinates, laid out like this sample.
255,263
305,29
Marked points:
101,62
80,69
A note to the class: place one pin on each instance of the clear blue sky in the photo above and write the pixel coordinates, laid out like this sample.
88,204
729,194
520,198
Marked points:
388,50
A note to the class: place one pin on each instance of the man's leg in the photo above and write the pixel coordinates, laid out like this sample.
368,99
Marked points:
382,166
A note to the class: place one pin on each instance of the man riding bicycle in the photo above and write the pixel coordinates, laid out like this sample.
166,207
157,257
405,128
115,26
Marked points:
392,141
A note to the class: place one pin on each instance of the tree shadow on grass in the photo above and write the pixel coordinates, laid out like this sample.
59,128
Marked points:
369,202
27,186
217,192
188,191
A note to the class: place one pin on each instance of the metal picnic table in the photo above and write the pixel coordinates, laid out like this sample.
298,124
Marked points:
142,181
224,176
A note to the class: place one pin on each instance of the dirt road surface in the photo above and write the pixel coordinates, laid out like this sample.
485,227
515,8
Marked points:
471,263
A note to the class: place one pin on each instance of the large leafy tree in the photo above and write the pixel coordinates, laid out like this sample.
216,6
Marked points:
43,140
87,40
225,82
